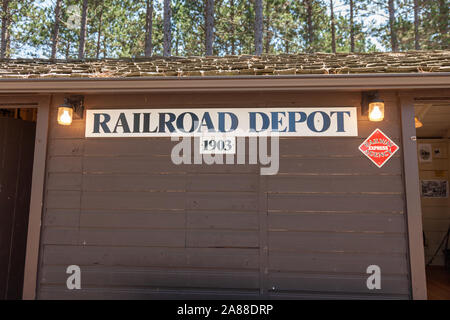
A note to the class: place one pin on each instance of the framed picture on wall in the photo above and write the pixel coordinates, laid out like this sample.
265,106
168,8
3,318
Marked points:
425,154
437,152
434,188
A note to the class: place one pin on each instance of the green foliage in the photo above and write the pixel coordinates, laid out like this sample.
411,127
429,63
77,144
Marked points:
116,28
433,23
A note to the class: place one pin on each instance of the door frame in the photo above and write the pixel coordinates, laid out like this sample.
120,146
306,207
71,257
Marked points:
413,203
42,103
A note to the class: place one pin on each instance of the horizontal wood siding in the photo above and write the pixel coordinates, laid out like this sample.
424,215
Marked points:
141,227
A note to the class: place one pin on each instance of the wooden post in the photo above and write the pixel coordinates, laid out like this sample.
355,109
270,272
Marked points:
37,192
413,204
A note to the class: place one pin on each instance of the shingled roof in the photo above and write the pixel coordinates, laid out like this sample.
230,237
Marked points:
283,64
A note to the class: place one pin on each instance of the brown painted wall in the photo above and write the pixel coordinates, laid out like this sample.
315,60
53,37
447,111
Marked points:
141,227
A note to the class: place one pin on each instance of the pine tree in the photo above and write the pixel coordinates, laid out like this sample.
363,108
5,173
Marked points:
148,28
115,28
167,44
233,27
352,27
333,28
267,36
55,32
82,43
209,28
416,25
443,19
310,29
99,28
5,35
258,27
392,26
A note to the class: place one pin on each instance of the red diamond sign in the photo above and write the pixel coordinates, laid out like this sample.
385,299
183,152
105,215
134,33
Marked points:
378,148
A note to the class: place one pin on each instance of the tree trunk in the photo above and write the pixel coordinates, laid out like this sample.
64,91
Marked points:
8,40
268,32
167,38
5,29
105,45
232,37
394,42
149,29
209,28
310,37
55,32
67,50
333,28
443,23
99,31
82,44
416,25
258,27
352,27
177,43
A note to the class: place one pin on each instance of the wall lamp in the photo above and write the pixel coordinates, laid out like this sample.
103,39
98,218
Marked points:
72,105
418,123
372,105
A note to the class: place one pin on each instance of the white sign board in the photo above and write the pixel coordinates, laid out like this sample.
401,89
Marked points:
289,122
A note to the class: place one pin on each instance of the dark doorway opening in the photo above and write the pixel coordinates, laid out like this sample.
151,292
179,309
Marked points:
433,151
17,141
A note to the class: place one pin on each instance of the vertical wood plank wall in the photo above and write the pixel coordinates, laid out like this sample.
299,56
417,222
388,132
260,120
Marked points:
141,227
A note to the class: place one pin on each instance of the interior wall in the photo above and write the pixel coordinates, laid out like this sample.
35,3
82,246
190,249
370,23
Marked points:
435,211
26,114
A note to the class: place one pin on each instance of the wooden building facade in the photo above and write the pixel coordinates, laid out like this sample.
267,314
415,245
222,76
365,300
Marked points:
141,227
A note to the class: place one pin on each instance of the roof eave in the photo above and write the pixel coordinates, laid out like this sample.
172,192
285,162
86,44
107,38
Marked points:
316,82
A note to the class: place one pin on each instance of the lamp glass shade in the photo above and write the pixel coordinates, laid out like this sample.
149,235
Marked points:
65,116
418,123
376,111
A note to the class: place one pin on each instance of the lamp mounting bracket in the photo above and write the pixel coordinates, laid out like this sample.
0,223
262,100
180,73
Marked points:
77,104
366,98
